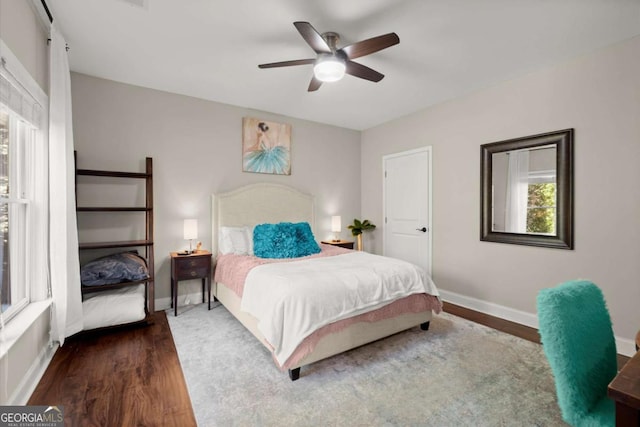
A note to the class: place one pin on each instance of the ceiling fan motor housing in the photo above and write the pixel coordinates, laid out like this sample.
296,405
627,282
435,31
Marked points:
332,39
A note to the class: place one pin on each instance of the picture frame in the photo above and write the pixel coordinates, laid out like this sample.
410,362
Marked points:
266,146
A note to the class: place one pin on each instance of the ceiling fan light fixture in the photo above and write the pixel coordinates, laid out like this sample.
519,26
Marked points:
329,69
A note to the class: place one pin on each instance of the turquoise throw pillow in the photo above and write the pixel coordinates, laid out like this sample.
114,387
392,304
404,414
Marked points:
284,240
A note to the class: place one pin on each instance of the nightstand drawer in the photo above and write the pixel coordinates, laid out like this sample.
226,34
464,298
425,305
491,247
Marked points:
193,268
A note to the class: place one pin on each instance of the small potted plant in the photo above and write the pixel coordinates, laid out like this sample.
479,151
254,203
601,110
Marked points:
358,227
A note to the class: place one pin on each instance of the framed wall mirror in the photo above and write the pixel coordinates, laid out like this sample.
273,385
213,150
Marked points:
526,193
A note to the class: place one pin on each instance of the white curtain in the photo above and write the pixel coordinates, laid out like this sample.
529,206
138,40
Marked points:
63,238
517,192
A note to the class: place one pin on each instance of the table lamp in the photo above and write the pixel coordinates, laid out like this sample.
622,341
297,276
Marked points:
190,232
336,227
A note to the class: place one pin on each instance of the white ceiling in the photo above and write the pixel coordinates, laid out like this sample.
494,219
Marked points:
210,49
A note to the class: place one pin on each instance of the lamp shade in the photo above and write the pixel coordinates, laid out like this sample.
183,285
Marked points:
336,224
190,229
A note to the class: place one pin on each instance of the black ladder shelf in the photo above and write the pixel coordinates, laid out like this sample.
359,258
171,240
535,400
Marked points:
147,243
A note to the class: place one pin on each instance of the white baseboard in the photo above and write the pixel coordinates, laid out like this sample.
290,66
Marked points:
496,310
30,381
624,346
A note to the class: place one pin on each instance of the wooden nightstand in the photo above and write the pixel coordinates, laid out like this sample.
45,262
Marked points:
187,267
342,243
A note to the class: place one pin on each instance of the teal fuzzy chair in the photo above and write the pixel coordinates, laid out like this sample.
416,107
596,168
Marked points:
577,338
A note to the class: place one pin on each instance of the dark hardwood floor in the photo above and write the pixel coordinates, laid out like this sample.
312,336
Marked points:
133,376
122,377
525,332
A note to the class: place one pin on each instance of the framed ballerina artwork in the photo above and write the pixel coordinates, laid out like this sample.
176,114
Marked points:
266,147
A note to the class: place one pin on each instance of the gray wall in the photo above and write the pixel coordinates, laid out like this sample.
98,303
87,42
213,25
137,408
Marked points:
22,31
598,96
196,150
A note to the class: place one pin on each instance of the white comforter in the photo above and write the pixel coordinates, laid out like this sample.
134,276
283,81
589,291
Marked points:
293,299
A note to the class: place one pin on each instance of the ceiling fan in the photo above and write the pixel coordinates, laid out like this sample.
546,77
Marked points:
332,63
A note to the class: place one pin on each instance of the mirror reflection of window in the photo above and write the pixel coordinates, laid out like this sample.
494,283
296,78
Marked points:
517,191
541,192
524,191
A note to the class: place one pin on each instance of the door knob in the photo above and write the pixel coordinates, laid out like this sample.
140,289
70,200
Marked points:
423,229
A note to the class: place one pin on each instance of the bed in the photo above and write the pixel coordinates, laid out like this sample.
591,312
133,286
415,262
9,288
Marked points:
256,204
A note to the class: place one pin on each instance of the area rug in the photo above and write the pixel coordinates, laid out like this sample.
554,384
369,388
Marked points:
458,373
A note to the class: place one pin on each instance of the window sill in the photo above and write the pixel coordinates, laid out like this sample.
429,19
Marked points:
18,325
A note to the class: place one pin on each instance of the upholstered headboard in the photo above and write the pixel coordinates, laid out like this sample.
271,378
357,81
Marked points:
259,203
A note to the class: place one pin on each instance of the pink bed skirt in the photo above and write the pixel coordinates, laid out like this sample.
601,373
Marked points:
412,304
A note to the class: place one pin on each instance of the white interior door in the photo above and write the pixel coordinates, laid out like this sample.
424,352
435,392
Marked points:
407,206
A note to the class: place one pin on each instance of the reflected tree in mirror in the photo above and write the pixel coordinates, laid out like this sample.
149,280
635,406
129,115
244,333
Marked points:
541,208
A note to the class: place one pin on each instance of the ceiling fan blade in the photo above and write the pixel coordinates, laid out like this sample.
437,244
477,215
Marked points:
312,37
314,84
287,63
364,72
366,47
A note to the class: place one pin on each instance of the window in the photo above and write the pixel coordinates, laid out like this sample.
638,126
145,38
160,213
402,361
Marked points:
16,140
23,188
541,203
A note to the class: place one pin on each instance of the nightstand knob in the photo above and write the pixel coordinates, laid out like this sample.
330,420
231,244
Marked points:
193,263
193,274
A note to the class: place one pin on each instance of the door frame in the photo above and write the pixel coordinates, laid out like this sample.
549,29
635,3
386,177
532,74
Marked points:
428,149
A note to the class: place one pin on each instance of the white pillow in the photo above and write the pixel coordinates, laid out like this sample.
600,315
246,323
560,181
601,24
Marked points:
236,240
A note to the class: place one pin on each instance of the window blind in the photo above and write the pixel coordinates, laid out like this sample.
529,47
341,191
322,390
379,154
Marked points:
17,98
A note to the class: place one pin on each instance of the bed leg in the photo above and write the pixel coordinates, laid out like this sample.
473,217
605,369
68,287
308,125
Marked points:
294,374
424,326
